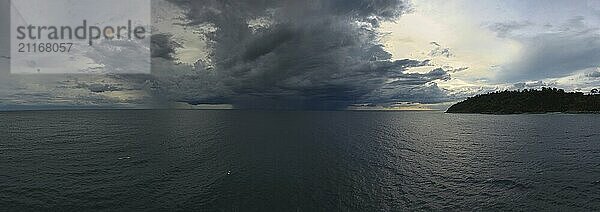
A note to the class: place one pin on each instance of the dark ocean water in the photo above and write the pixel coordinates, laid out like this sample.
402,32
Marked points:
155,160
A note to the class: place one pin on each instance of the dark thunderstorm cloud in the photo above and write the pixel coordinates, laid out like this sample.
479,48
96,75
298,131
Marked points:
162,46
318,54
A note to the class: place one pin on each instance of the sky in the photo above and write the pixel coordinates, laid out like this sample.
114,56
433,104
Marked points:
335,54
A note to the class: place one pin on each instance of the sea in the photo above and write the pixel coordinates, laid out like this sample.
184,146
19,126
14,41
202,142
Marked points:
229,160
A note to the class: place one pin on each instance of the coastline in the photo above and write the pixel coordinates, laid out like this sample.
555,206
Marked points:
526,113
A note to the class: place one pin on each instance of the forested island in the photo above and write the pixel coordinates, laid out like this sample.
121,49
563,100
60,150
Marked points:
547,100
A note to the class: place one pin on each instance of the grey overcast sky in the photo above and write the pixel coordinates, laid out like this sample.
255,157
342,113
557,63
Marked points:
331,54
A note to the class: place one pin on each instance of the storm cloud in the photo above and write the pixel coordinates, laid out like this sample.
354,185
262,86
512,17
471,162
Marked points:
285,54
330,54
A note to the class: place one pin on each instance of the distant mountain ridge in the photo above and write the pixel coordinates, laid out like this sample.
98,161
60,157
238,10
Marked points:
547,100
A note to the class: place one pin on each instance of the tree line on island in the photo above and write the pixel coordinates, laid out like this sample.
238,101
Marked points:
546,100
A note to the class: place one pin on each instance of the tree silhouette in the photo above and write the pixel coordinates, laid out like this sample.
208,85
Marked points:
529,101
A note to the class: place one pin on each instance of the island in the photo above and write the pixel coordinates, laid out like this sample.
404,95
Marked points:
546,100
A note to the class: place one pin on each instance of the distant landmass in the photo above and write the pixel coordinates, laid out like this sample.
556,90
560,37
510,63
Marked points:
547,100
